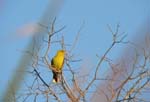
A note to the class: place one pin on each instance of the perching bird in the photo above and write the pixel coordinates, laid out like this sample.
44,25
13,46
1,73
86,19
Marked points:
57,63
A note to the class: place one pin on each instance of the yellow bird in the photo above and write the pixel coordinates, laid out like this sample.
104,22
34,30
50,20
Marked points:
57,63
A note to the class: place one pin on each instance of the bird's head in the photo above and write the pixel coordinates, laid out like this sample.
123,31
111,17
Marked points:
61,52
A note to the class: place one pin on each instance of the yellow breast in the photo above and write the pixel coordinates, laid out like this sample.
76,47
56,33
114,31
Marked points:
58,60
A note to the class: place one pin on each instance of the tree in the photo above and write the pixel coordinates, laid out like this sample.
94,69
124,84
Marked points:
127,81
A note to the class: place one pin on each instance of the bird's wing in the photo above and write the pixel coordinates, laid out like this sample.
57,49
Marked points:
52,62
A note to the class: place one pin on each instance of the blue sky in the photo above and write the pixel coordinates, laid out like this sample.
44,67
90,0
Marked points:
94,37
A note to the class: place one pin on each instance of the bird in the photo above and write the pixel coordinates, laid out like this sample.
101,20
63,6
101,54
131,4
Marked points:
57,64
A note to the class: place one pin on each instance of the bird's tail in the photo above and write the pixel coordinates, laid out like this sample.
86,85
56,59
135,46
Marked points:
56,77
